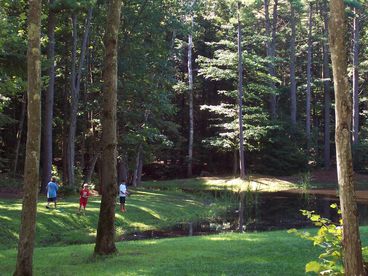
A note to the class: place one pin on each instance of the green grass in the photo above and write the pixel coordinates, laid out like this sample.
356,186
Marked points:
267,253
147,210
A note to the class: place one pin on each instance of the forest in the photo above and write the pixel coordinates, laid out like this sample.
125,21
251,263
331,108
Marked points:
150,92
177,112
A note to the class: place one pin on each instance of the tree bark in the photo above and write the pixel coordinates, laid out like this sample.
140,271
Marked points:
20,131
292,68
309,77
75,89
190,92
49,101
355,77
352,253
240,100
326,89
32,162
105,240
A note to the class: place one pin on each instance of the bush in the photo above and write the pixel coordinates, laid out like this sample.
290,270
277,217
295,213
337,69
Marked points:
328,237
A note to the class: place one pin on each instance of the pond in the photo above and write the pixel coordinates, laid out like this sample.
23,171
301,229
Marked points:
263,212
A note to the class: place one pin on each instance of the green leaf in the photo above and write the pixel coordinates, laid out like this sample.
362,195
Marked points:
313,266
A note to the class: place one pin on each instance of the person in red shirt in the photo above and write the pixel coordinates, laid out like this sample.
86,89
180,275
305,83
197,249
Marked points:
84,194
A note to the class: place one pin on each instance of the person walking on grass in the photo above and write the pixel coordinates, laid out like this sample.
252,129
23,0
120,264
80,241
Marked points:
123,192
52,189
84,194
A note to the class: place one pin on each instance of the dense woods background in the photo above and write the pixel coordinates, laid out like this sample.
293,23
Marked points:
176,56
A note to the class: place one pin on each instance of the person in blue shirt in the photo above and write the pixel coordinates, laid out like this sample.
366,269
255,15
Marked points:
52,188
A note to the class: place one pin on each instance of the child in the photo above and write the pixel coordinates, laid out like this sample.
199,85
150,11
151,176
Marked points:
123,192
51,188
84,194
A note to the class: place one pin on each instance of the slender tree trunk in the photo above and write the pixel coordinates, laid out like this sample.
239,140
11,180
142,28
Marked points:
326,89
292,68
75,89
271,50
66,118
140,169
49,102
105,240
352,253
136,168
236,162
355,77
241,211
240,99
309,77
20,131
122,170
91,167
32,163
190,91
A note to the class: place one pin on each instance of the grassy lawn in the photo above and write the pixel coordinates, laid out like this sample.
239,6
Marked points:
64,239
267,253
146,210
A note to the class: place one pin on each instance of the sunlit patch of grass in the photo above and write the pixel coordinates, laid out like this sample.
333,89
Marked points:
267,253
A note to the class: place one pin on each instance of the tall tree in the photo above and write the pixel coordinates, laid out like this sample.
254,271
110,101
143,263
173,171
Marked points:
271,49
31,170
240,98
309,75
105,240
326,89
352,253
293,109
76,77
49,100
190,92
356,31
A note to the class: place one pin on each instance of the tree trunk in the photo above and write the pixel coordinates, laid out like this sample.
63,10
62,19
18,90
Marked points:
292,68
190,91
136,168
75,89
240,100
140,169
271,50
309,77
352,253
122,170
326,89
32,162
49,102
235,162
355,77
65,109
20,131
105,240
91,168
241,211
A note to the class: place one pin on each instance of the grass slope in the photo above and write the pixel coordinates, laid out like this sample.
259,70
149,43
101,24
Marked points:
267,253
147,210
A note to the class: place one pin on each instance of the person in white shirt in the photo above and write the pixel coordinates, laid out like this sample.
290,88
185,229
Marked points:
123,192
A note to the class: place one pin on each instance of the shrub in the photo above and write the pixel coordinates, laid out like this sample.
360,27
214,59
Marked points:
328,237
